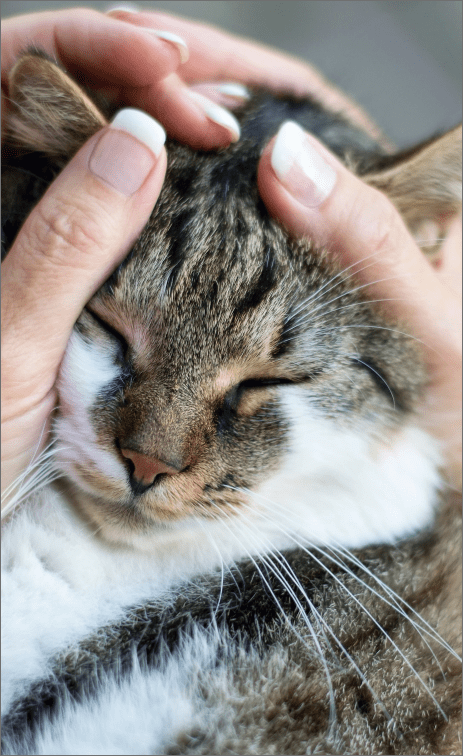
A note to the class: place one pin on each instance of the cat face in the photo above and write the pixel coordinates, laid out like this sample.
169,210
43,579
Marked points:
220,348
212,324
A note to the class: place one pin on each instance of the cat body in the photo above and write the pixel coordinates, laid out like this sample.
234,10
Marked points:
278,584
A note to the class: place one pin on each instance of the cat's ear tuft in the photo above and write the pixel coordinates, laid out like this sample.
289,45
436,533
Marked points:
47,111
424,184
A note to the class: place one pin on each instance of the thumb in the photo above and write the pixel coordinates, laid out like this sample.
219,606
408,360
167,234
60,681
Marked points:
313,194
80,230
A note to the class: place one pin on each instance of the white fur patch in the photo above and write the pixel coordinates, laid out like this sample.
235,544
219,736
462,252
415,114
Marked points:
85,371
338,486
144,714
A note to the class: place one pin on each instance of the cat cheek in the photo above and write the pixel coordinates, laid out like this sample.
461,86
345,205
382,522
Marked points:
252,401
86,370
93,480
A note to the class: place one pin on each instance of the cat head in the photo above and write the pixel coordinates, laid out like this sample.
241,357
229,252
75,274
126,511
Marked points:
220,350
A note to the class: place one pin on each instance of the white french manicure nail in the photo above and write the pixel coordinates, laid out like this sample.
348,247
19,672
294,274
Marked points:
233,89
119,160
127,8
141,126
180,43
216,113
300,167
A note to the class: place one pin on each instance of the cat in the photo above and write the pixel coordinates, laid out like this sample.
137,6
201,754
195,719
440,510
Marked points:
242,542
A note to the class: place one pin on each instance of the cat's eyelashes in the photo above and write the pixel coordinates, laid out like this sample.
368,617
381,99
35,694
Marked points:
263,383
118,338
235,395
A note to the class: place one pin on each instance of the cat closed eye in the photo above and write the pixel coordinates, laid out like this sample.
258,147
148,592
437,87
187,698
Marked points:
236,394
263,383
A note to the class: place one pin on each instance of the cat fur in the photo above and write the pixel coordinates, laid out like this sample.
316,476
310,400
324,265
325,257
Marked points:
249,604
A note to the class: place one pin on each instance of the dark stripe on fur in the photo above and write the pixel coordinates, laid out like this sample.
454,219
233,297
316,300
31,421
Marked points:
261,287
247,611
288,332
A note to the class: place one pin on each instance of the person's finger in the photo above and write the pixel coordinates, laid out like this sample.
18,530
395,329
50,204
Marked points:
93,46
187,115
314,195
130,64
219,56
76,235
449,269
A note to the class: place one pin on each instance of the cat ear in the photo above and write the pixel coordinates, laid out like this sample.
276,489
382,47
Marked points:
424,184
48,112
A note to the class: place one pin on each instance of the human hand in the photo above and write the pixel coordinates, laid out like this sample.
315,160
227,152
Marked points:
82,227
216,57
132,65
127,76
342,212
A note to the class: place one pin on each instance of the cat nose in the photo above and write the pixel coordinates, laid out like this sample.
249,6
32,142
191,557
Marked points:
144,469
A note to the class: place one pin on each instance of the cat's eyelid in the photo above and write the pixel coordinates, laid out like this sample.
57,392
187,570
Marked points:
264,382
107,327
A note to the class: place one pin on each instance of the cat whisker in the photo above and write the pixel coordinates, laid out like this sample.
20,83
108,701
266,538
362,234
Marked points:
285,616
217,518
310,313
320,563
37,474
325,330
428,629
342,275
306,317
379,376
352,291
320,619
222,563
421,631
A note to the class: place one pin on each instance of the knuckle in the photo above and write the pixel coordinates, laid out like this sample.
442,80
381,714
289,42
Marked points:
64,233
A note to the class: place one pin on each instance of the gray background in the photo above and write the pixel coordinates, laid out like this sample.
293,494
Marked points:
400,60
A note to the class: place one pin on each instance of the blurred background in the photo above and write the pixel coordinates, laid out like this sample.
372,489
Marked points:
400,60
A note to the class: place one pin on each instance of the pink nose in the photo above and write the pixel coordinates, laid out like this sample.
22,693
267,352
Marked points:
146,469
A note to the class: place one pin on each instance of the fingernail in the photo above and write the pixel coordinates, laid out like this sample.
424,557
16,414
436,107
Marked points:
123,8
127,151
233,89
300,167
228,94
179,43
217,114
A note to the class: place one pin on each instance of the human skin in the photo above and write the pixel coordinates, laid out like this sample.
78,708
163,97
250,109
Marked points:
53,267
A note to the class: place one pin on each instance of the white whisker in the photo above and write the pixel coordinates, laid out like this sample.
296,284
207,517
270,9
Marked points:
379,376
342,275
428,629
301,609
38,473
309,553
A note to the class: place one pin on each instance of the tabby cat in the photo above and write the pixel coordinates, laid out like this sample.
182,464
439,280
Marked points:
243,544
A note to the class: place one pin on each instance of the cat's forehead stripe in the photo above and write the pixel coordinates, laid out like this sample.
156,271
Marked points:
261,286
